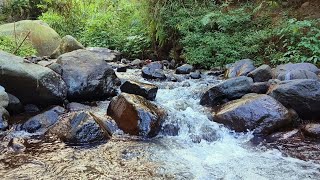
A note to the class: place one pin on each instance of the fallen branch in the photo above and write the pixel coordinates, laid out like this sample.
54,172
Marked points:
21,43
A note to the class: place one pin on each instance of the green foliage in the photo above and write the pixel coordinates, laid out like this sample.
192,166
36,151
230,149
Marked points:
114,24
213,35
300,41
9,45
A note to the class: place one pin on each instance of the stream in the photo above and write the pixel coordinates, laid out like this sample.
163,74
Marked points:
202,149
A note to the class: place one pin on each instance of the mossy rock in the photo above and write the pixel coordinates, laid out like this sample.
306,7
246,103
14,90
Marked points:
43,38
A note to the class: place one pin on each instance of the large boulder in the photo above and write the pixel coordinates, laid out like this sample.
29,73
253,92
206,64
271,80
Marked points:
227,90
240,68
135,115
148,91
106,54
67,44
261,74
78,128
283,72
88,76
42,37
260,113
302,95
184,69
42,122
31,83
153,71
298,74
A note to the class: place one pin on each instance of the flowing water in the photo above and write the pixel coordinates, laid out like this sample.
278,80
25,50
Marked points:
201,150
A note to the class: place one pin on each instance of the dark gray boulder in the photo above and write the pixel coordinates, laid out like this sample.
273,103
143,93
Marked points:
153,71
148,91
88,76
42,122
227,90
260,113
14,106
298,74
282,72
135,115
260,87
31,83
261,74
302,95
184,69
240,68
81,128
312,130
106,54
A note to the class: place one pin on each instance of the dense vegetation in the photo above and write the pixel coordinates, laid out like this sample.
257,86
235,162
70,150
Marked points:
205,33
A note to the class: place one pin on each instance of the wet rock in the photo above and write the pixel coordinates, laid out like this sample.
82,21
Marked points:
260,87
153,71
41,122
283,136
186,84
261,74
56,67
74,106
17,144
170,130
15,106
32,83
208,134
148,91
87,76
312,130
184,69
283,71
298,74
67,44
227,90
137,63
195,75
31,108
122,68
80,128
106,54
4,118
136,115
260,113
4,98
240,68
302,95
124,61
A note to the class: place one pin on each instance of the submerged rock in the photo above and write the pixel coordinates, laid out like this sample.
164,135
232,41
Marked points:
67,44
136,115
195,75
240,68
148,91
87,76
261,74
184,69
79,128
227,90
42,122
31,83
260,113
302,95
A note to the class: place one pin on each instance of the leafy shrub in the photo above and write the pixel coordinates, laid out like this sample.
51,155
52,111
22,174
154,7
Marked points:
9,45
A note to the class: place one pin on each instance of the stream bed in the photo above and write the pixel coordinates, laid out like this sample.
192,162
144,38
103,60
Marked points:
201,149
